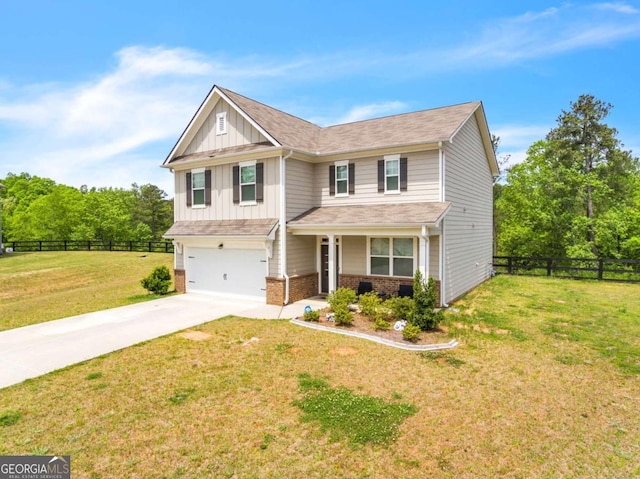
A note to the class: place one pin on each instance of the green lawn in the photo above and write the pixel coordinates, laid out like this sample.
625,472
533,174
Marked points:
545,384
37,287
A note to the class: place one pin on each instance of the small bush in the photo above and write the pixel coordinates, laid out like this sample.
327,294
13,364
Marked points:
342,315
425,297
381,324
158,281
341,296
369,303
311,316
401,308
411,332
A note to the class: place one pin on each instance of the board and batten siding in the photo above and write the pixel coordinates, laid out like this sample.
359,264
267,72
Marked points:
422,181
468,226
222,206
300,187
239,131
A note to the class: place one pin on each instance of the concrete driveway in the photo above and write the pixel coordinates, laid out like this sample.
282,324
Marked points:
34,350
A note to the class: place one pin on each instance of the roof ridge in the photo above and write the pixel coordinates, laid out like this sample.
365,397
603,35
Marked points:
424,110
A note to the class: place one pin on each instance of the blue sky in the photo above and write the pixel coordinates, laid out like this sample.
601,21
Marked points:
97,92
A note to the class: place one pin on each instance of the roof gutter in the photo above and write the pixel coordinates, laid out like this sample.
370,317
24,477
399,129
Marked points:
283,226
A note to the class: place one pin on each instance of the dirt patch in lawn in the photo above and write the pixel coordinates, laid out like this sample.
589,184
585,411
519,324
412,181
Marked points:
362,324
194,335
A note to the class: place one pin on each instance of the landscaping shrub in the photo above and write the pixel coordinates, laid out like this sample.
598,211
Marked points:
342,315
158,281
425,297
381,324
369,303
311,315
401,308
341,296
411,332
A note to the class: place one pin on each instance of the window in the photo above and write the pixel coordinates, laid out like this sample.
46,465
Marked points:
391,256
248,183
221,123
342,178
198,187
392,175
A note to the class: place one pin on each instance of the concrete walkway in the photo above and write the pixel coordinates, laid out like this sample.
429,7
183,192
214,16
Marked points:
34,350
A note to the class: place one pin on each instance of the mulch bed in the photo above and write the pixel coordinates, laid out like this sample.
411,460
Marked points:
363,324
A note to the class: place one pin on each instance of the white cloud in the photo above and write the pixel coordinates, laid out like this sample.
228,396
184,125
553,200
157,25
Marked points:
372,110
515,140
619,7
542,34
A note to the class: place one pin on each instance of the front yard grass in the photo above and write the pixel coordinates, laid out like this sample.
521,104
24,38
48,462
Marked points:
518,399
38,287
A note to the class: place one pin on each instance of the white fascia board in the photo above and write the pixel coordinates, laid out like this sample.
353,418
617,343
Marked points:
201,115
359,230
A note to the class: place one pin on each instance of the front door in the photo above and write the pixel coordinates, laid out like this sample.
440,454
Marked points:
324,266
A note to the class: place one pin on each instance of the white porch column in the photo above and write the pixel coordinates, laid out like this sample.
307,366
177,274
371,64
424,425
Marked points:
332,263
424,253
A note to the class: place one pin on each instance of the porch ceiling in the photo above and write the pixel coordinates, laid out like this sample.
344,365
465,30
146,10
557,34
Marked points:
407,215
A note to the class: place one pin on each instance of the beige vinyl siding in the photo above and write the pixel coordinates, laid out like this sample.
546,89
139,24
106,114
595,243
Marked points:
468,229
274,261
301,254
300,187
239,131
422,181
222,206
434,257
354,255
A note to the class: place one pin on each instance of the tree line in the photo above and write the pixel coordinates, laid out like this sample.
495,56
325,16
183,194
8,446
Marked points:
35,208
577,194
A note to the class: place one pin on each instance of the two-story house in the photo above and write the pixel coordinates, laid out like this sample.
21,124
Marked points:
271,206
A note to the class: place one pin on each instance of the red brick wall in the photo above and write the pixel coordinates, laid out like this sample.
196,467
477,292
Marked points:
179,280
388,285
300,287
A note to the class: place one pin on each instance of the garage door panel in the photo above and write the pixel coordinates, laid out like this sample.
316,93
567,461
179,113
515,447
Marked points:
226,271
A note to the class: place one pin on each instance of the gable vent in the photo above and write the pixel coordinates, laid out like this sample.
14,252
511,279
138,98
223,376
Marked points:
221,123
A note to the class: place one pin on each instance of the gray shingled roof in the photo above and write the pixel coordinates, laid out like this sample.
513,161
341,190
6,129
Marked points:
373,215
426,126
261,227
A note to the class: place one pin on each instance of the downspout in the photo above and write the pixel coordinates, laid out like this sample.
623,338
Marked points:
442,246
283,226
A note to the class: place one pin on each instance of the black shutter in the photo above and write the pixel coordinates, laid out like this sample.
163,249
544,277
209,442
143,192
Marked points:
380,176
403,174
332,180
189,195
236,184
352,178
207,187
259,182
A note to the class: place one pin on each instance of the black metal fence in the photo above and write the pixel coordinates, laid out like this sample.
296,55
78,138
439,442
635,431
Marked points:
603,269
89,245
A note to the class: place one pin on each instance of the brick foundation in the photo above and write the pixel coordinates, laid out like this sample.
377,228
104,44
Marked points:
300,287
179,280
388,285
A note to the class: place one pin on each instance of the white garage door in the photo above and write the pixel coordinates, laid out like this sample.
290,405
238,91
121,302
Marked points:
226,271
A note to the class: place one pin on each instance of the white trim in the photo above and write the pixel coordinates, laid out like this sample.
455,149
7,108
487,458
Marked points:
197,171
388,159
247,164
341,163
221,123
391,238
